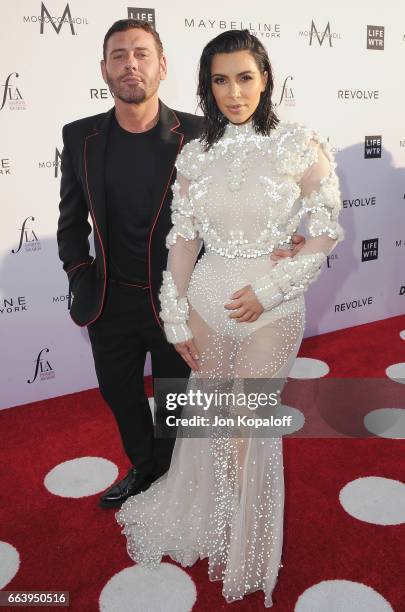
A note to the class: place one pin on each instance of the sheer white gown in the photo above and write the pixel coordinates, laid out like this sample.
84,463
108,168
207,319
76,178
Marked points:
223,497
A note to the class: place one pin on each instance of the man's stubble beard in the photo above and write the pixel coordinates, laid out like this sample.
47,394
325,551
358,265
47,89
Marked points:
125,94
136,96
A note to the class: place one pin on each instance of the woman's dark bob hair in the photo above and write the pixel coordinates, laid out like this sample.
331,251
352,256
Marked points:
264,118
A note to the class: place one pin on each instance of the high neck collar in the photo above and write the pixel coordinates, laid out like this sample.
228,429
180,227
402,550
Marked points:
244,129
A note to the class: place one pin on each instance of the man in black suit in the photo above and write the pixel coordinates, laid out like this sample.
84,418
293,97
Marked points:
119,166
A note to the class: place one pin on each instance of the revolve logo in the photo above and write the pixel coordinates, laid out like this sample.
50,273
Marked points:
361,202
102,93
358,94
354,304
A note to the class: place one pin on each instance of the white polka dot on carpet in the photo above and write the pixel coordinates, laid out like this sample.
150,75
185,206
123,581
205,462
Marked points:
374,499
166,588
9,563
81,477
396,372
306,367
386,422
341,596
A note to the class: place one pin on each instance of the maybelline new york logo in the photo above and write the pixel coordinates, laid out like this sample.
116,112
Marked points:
28,237
12,94
55,163
320,36
5,166
56,21
43,369
142,14
11,305
259,29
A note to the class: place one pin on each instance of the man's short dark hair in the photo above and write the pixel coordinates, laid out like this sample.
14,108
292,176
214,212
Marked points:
122,25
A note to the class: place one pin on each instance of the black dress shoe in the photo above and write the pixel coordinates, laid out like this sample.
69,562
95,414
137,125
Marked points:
133,483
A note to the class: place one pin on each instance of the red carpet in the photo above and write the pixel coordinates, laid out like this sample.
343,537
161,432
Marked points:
71,545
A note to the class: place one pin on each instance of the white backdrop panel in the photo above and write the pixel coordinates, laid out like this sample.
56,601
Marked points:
327,79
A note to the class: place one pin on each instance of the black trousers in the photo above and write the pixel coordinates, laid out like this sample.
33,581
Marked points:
120,340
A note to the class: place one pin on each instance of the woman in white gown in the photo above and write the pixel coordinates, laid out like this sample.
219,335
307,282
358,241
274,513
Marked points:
242,190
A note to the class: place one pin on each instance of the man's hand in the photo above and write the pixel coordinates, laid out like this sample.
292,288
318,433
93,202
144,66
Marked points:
189,353
298,242
246,307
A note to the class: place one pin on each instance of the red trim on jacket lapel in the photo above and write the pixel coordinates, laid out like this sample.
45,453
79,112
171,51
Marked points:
173,129
93,216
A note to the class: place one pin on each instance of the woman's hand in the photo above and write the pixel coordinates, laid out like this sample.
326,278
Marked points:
189,353
298,242
246,307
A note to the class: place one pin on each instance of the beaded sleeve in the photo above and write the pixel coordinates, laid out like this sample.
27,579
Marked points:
184,244
321,203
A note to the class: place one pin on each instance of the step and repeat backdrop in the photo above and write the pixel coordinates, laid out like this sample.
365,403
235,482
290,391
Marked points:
338,69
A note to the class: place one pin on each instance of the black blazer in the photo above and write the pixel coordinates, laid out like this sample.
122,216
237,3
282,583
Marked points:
82,193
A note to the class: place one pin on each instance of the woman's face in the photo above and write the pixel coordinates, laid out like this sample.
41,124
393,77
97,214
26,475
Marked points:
236,84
